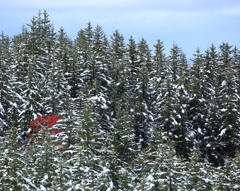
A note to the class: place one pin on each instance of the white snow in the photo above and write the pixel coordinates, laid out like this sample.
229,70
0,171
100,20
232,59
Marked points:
223,110
224,83
223,132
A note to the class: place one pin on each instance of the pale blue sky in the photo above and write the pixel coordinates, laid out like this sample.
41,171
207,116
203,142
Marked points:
188,23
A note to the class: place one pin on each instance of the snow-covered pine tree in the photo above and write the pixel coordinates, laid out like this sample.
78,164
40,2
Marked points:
123,150
6,59
89,152
42,158
235,173
141,102
236,60
13,174
81,45
96,77
211,129
58,89
197,102
183,135
157,75
173,105
165,168
224,176
229,110
118,70
39,45
32,60
16,78
198,172
131,56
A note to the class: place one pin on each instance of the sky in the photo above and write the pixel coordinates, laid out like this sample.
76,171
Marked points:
190,24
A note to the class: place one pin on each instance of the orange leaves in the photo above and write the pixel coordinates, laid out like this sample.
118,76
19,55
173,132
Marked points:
44,121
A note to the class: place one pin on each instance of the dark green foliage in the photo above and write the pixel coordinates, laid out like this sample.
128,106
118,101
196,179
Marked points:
6,60
133,119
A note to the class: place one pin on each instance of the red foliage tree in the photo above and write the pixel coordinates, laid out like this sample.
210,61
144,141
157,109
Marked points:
44,121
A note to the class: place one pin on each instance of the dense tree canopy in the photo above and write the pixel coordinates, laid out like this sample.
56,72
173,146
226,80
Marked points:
135,119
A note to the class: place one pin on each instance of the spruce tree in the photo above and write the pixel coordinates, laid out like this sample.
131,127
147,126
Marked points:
118,70
12,175
57,85
157,75
123,150
90,149
42,157
32,61
197,101
211,128
173,103
183,135
96,77
141,101
197,173
6,59
229,126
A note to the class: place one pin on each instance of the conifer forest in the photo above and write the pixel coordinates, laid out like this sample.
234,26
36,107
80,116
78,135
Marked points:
99,113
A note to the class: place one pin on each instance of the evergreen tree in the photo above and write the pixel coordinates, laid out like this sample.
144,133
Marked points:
123,150
96,77
165,167
6,59
229,112
157,75
225,176
173,103
42,159
197,173
91,148
16,78
132,64
141,102
123,139
58,88
197,100
211,129
12,173
183,135
226,54
119,70
236,60
32,60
